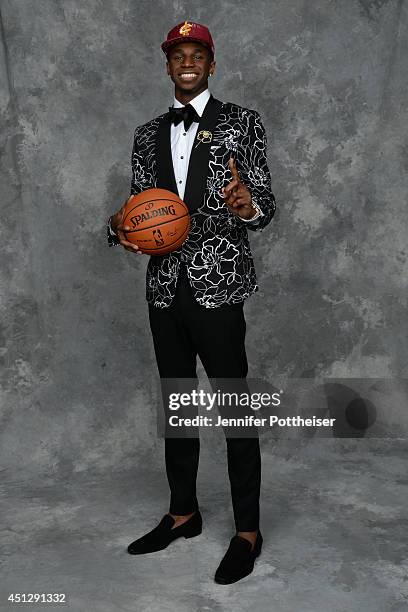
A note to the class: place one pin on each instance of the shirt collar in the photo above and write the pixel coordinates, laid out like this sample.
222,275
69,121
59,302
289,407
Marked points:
198,102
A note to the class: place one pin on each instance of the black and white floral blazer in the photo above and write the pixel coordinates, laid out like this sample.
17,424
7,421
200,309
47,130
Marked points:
217,253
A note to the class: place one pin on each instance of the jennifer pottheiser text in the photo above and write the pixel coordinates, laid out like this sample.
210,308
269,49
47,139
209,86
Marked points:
250,421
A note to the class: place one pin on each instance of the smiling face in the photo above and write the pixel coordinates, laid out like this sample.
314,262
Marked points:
189,64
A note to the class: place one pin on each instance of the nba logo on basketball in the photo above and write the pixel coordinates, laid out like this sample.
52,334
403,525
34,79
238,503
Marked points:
158,238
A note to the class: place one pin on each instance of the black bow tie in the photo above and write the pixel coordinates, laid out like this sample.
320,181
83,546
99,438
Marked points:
187,113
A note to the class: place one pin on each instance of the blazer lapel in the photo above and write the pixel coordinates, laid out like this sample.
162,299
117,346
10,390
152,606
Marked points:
164,162
198,164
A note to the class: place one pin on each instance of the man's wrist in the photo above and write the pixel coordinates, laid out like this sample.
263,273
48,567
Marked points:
258,212
113,239
113,233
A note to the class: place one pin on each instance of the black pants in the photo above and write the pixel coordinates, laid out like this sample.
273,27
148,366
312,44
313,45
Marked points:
180,332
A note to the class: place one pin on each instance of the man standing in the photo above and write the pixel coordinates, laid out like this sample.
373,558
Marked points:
213,154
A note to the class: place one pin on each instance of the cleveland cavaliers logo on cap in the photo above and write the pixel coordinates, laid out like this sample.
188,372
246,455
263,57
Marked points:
185,29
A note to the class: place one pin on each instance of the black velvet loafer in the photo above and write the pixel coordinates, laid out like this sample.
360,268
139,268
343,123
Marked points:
162,535
239,560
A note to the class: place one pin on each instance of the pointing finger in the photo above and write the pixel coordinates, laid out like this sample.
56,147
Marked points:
233,168
230,187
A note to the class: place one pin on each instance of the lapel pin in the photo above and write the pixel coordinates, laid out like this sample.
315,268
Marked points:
204,136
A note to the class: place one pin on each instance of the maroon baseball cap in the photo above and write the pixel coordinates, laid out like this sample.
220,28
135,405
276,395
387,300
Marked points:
188,31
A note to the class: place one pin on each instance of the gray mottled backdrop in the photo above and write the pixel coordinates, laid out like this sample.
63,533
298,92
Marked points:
330,81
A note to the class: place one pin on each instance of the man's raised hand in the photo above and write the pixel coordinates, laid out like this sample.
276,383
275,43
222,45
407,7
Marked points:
237,195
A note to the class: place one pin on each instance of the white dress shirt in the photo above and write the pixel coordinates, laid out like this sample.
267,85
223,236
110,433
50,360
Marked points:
182,141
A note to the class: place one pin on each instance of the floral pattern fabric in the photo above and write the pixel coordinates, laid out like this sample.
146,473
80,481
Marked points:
217,252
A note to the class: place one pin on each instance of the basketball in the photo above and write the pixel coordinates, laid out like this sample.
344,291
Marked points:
159,219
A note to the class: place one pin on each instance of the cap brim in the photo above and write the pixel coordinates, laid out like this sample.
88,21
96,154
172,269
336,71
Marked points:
167,45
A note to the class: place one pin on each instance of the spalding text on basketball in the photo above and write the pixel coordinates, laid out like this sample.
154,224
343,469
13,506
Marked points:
157,212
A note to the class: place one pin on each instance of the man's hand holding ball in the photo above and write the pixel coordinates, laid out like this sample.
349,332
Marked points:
236,196
154,222
119,229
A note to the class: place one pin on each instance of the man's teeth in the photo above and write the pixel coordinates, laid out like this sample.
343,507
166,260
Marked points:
188,75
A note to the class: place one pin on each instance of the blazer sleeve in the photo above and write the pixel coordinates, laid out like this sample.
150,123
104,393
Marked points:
252,165
136,185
